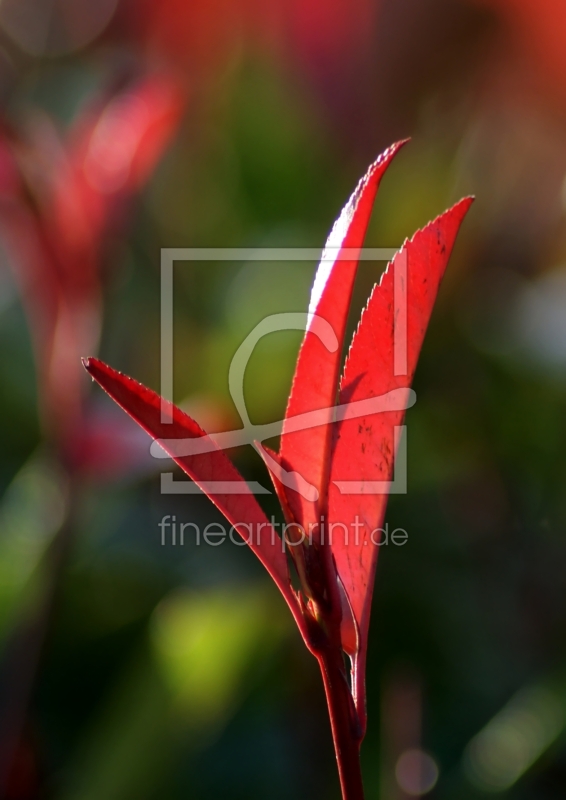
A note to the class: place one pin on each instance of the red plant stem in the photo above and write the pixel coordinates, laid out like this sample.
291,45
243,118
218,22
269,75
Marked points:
325,644
342,720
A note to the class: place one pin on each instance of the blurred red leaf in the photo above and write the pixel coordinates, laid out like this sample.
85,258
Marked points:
536,31
196,38
58,201
332,34
112,151
199,39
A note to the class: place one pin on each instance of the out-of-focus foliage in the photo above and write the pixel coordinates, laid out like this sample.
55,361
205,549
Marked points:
171,671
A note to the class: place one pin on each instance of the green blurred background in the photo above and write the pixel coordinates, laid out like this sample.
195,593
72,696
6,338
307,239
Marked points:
133,670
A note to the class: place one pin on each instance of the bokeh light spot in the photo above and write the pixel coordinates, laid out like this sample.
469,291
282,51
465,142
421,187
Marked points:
416,772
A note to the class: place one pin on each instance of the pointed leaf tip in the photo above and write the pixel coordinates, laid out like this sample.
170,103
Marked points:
315,383
382,358
211,470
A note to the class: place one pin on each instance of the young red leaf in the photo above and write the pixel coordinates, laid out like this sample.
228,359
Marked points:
383,356
339,470
241,510
315,384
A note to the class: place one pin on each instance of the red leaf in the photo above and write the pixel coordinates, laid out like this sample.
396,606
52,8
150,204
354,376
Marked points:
352,442
56,242
383,357
145,407
111,152
315,384
62,314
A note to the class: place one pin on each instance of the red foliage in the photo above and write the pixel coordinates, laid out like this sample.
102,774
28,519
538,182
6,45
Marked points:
315,383
145,407
536,31
363,448
200,38
353,440
58,201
